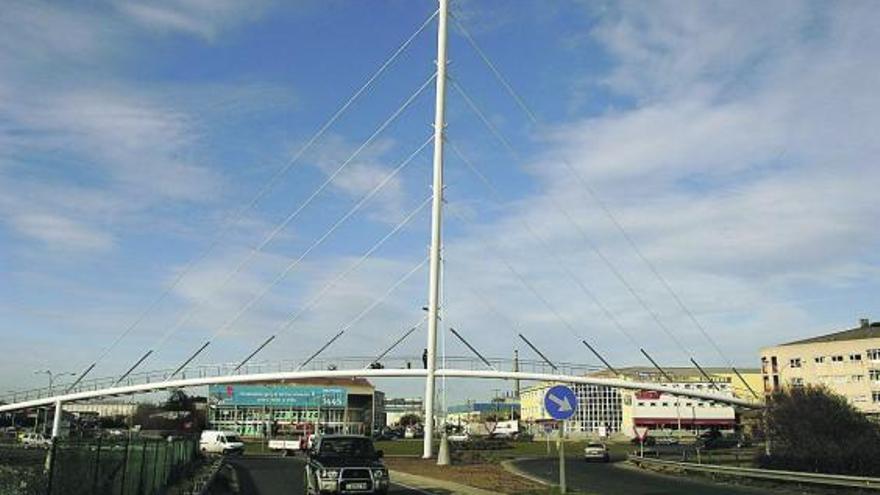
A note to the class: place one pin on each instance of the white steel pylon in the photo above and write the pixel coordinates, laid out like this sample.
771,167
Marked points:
436,221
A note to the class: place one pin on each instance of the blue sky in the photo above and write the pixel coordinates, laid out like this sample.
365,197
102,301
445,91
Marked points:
736,143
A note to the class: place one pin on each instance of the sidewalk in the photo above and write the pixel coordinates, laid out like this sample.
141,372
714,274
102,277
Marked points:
434,486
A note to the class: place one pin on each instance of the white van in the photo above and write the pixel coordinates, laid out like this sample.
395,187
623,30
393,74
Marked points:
220,442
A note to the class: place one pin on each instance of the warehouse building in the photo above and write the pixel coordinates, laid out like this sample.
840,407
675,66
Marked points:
608,411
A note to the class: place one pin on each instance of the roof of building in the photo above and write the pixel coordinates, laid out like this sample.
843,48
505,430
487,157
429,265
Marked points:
866,330
338,382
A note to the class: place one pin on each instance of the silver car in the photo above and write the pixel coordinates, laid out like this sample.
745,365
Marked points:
596,452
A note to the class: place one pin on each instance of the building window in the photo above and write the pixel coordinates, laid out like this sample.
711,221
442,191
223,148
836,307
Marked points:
875,397
858,378
819,359
874,375
797,382
665,404
873,354
795,363
641,404
836,359
855,357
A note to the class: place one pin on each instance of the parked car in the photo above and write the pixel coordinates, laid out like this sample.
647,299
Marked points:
596,452
220,442
36,440
649,441
723,442
459,437
667,441
287,446
345,464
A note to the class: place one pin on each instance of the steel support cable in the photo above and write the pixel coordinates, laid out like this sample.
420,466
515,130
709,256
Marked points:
602,205
235,217
393,117
523,280
354,321
323,291
496,194
398,341
320,240
592,245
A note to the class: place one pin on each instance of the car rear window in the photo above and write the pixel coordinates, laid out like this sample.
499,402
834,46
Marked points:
347,447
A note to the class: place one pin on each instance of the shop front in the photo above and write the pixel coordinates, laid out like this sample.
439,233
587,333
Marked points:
291,410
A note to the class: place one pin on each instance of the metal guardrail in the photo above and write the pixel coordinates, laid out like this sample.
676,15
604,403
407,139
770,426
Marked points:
836,480
349,362
203,481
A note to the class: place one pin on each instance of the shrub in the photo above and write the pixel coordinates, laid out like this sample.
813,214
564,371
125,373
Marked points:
813,429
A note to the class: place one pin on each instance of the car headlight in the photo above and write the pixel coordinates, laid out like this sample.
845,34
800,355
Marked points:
328,473
380,473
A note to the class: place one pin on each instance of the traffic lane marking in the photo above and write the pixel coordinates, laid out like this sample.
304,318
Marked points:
412,488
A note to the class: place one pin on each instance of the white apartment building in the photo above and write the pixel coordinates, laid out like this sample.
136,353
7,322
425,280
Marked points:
847,362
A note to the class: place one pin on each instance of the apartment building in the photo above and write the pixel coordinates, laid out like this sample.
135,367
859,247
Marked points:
847,362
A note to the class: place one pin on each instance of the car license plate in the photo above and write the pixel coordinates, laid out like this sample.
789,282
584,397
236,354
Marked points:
356,486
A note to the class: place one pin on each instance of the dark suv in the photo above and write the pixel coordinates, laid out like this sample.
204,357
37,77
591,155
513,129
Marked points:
345,464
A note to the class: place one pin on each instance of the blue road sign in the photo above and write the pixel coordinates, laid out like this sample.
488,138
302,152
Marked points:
560,402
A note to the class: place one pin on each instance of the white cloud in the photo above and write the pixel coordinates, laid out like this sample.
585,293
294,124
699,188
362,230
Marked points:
203,18
56,230
366,171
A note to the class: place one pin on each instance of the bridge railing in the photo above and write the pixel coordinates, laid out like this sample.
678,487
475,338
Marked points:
341,363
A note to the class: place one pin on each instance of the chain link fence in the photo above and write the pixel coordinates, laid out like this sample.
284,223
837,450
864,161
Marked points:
102,466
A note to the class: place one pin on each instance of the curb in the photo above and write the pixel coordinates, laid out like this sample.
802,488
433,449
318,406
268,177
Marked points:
511,468
426,484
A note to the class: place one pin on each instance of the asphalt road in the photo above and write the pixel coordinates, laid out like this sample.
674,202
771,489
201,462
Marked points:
281,476
613,479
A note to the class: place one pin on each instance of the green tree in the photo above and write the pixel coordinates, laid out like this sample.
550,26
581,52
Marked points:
814,429
410,420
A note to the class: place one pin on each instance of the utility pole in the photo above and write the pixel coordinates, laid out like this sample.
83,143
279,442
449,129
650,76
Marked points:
436,220
515,370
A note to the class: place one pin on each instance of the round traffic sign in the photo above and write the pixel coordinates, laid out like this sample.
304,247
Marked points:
560,402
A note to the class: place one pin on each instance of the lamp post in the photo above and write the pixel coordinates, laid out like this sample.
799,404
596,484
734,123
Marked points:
52,377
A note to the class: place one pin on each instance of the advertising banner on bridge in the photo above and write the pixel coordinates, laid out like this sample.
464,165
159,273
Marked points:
277,395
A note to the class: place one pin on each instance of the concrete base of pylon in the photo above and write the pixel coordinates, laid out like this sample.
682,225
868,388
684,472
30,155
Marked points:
443,455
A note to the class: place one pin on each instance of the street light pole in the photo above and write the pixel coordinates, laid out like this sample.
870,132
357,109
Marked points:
56,423
436,218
